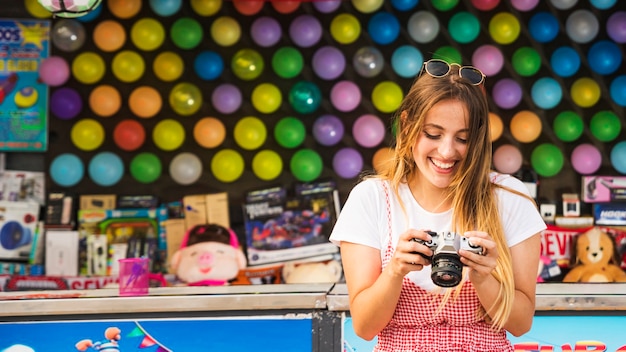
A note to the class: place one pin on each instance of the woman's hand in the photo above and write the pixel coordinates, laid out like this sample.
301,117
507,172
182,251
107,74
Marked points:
410,255
481,265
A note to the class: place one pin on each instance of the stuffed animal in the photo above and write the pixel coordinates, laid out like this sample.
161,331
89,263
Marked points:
312,272
209,255
594,259
111,344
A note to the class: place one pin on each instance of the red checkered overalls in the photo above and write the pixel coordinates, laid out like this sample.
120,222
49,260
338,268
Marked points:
417,327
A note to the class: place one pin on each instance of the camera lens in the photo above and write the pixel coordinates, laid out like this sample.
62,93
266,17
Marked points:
447,269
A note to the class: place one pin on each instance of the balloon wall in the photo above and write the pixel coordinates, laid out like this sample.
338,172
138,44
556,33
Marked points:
171,97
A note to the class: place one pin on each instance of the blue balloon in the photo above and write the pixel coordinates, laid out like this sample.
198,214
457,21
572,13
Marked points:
67,170
92,15
407,61
618,157
208,65
604,57
546,93
404,5
165,7
565,61
543,27
383,28
603,4
106,169
618,90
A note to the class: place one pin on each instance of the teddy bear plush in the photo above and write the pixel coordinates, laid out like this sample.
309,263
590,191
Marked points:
594,258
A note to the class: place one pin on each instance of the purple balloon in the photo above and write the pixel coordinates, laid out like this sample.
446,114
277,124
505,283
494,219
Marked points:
507,93
327,6
347,163
54,71
328,62
368,130
489,59
616,26
66,103
226,98
328,130
305,31
345,96
586,159
265,31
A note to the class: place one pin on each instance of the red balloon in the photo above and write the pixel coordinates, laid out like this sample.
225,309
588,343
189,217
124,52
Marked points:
129,135
248,7
286,6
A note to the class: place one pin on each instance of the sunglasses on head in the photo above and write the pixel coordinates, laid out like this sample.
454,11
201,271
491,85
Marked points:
439,68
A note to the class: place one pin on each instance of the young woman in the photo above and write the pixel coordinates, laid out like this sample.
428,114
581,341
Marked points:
439,186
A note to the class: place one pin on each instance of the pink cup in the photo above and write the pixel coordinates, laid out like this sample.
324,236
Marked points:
134,276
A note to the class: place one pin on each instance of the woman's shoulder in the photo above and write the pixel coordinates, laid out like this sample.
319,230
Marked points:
509,182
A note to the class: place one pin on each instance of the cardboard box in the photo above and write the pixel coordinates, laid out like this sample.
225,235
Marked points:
98,202
603,189
18,224
61,253
174,233
204,209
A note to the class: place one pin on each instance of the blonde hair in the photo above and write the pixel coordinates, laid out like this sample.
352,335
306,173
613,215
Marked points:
471,192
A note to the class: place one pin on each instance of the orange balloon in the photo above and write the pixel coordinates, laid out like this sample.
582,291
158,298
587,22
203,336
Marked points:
124,9
209,132
496,126
105,100
382,158
525,126
145,102
109,35
286,6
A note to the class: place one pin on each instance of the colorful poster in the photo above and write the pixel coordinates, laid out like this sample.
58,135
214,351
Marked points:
24,44
285,333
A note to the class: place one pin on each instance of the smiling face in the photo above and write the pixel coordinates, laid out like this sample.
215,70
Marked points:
442,144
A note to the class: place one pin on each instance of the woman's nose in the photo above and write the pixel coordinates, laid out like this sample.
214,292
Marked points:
446,148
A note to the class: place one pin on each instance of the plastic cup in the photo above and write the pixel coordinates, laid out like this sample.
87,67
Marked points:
134,276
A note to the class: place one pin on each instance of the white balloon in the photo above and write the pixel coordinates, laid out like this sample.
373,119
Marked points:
423,27
582,26
186,168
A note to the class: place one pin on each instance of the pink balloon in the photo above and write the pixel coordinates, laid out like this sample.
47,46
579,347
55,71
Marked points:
368,130
586,159
524,5
54,71
485,5
507,159
345,96
489,59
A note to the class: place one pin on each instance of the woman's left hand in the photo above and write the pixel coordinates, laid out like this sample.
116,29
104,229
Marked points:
481,265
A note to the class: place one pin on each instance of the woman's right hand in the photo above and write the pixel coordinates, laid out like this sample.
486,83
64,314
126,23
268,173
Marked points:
410,254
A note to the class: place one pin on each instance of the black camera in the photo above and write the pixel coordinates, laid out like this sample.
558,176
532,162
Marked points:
447,269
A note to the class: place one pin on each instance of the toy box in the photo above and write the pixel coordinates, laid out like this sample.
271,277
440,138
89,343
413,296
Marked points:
610,213
281,228
18,224
603,189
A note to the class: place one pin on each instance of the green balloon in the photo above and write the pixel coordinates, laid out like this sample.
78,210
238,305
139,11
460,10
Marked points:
448,54
287,62
145,167
305,97
547,160
526,61
247,64
605,126
568,126
186,33
306,165
289,132
464,27
444,5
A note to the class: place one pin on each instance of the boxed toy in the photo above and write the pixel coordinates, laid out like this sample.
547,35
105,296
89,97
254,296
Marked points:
598,189
281,228
610,213
18,224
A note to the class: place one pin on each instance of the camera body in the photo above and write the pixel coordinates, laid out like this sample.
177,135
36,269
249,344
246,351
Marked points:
447,269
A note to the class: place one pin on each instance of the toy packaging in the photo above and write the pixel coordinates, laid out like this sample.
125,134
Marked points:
599,189
281,228
18,225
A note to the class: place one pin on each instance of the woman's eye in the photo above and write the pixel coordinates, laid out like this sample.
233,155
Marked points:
430,136
462,140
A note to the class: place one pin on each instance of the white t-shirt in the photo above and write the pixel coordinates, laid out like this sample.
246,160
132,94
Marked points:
363,218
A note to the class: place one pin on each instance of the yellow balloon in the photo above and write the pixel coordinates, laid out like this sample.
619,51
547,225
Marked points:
250,133
147,34
266,98
206,7
345,28
585,92
387,96
525,126
128,66
227,165
267,165
496,126
504,28
168,66
88,67
185,98
225,31
87,134
367,6
34,8
168,134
